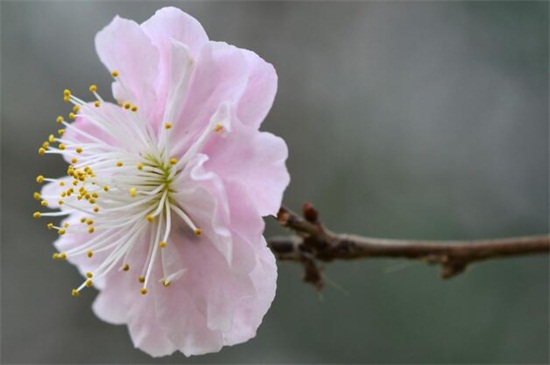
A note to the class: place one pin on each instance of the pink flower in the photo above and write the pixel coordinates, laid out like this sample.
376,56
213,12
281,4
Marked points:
165,191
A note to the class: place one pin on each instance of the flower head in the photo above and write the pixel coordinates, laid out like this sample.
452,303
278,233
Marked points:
165,189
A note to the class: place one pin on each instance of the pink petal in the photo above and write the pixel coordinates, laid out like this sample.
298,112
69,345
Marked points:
254,160
123,46
251,309
217,304
202,195
172,30
221,75
120,302
179,71
260,91
172,23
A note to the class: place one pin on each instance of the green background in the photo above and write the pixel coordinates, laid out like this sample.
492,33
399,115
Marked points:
415,120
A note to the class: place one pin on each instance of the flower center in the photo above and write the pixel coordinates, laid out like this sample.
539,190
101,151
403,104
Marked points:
119,187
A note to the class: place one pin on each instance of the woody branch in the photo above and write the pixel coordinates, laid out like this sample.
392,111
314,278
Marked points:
312,243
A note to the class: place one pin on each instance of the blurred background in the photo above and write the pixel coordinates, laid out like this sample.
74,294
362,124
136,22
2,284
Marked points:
419,120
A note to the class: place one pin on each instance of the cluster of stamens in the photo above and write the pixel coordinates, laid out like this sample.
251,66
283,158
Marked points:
121,194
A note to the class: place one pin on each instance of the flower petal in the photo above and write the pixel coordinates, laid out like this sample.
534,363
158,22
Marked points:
253,159
171,23
202,195
215,303
179,71
260,91
251,309
123,46
120,302
221,75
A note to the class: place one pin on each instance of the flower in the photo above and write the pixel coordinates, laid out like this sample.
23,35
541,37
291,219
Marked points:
165,192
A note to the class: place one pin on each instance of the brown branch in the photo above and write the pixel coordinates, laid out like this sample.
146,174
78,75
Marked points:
312,242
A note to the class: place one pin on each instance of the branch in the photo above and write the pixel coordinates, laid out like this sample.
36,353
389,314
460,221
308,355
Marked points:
313,242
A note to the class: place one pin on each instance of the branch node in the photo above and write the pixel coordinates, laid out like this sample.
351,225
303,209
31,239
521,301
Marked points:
313,243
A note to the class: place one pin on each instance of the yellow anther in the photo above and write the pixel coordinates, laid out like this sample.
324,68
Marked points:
150,218
44,203
50,226
62,146
162,244
114,73
40,179
97,104
88,221
133,192
62,231
66,92
90,254
96,209
89,283
166,283
141,279
78,150
36,215
91,230
75,182
55,256
41,151
61,132
36,195
91,200
119,164
61,183
143,291
59,119
134,108
76,108
63,256
74,160
95,195
72,116
46,144
51,138
93,88
126,267
127,105
60,202
173,161
105,188
66,225
218,127
83,220
66,99
140,166
168,125
75,293
89,275
198,231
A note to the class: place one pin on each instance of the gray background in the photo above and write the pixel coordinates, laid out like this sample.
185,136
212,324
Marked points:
418,120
